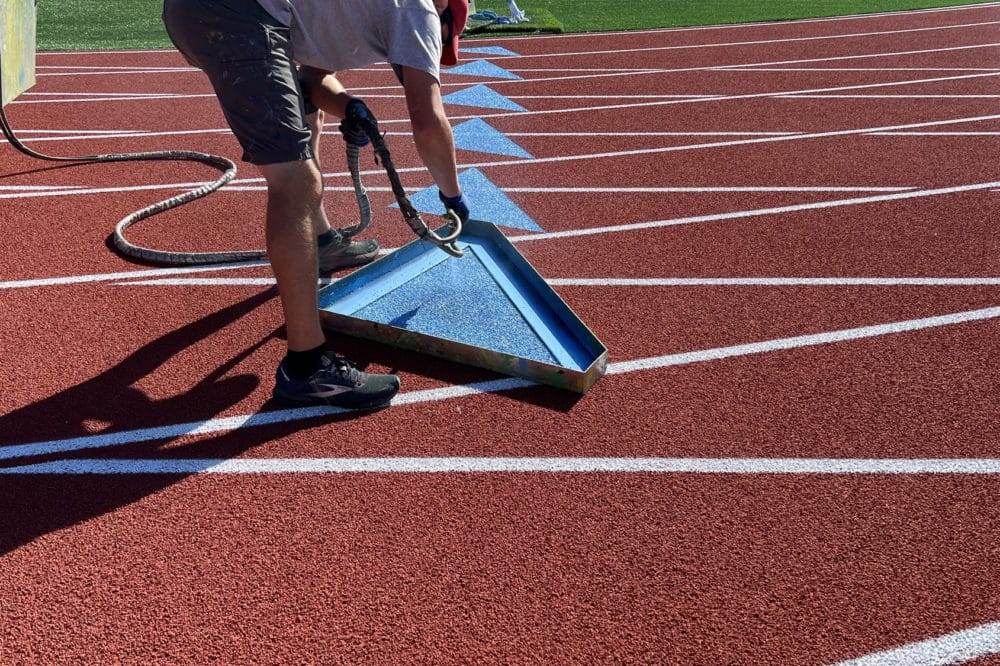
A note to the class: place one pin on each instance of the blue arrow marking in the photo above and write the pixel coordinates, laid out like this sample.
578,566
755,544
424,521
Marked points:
488,203
478,135
482,96
489,50
482,68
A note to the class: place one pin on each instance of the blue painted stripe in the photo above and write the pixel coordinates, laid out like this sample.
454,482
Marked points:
483,68
482,96
489,50
488,202
478,135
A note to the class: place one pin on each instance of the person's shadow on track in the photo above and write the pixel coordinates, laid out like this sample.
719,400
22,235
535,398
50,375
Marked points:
62,427
82,419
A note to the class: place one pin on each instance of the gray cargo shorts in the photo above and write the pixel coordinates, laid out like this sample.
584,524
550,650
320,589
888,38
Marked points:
247,56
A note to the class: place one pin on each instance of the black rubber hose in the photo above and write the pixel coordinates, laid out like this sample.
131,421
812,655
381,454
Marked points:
146,254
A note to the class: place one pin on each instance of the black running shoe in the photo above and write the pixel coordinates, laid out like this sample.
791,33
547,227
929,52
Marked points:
337,383
344,253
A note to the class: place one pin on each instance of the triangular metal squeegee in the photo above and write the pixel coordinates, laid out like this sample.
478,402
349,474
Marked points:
488,309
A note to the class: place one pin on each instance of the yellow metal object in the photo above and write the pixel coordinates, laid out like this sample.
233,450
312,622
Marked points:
17,48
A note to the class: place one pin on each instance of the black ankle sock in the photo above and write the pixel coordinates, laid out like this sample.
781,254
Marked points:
302,364
326,238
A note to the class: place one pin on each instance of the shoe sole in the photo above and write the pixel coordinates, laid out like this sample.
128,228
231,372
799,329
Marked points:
345,261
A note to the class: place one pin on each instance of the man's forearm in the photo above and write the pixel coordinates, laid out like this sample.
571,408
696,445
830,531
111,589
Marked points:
431,129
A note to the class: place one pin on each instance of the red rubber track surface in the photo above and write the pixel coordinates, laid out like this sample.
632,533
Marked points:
799,180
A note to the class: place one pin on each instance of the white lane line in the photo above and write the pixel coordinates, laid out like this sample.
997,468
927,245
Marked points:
867,69
69,191
228,424
87,68
667,190
66,70
952,97
90,135
776,94
755,42
697,99
249,185
936,133
703,146
954,648
779,282
563,465
125,275
588,156
72,131
681,134
207,282
102,97
640,282
36,188
106,71
736,67
698,219
638,226
979,6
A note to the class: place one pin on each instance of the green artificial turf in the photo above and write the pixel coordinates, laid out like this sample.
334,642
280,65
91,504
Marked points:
73,25
539,21
598,15
133,24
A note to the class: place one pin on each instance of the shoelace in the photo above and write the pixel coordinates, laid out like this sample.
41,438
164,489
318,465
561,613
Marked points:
348,370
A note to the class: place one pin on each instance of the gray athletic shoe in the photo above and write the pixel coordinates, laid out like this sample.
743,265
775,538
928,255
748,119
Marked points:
337,383
345,252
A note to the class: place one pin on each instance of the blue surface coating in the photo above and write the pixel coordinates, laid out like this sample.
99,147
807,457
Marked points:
489,309
482,68
487,202
478,135
458,299
482,96
489,50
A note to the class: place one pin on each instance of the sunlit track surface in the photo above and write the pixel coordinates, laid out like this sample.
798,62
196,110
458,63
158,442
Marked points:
784,233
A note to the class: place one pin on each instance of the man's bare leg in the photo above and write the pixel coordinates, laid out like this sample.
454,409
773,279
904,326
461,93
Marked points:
335,251
294,194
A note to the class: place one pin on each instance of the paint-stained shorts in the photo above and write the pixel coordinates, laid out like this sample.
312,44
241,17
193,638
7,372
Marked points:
247,56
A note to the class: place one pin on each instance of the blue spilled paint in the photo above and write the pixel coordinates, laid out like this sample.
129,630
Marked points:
489,50
459,299
483,68
478,135
482,96
488,203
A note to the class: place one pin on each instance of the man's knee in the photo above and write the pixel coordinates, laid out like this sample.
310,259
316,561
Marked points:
298,181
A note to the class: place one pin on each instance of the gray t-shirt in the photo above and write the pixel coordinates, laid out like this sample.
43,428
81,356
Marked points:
335,35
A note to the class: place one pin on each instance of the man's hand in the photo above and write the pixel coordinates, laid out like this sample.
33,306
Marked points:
353,133
458,204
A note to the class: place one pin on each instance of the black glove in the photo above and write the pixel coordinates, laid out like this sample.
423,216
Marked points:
458,204
353,133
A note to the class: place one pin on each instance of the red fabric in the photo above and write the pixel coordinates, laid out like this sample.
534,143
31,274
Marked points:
460,14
